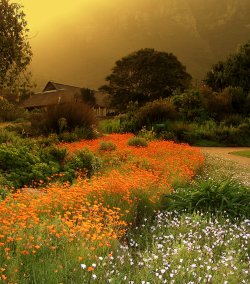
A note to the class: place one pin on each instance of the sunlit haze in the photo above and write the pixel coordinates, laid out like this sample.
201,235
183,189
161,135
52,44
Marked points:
77,42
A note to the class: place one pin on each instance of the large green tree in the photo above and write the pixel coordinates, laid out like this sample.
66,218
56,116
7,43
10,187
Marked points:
233,72
145,75
15,50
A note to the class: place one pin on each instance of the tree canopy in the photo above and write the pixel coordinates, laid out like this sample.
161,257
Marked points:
145,75
233,72
15,51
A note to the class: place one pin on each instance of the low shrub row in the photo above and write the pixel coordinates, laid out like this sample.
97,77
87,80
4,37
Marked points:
30,162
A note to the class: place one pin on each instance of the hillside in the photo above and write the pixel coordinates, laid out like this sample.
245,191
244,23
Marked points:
82,50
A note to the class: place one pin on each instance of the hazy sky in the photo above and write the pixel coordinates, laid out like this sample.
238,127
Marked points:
42,14
77,42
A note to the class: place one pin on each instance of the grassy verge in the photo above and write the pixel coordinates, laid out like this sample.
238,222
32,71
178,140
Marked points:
245,154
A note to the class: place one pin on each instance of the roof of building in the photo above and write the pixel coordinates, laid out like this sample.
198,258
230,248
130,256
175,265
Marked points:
55,93
48,98
57,86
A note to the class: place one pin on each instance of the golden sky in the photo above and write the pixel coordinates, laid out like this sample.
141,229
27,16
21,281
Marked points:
42,14
78,41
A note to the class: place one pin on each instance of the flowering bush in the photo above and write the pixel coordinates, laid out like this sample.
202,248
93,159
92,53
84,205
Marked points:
46,233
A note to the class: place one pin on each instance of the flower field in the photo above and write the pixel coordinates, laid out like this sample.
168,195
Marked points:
45,234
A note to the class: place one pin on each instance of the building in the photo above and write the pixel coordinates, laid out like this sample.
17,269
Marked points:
56,93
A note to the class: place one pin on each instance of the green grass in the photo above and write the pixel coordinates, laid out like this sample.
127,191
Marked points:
245,154
208,143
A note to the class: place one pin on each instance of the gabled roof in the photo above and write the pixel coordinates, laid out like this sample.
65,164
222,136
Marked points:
57,86
48,98
55,93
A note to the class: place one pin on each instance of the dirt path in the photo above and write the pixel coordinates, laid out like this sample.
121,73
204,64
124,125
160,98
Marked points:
224,152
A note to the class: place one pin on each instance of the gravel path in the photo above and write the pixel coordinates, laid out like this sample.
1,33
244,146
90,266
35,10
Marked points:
224,152
225,165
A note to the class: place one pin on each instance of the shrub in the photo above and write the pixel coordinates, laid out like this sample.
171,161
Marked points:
64,117
182,131
147,134
110,125
48,141
10,112
7,136
155,112
107,146
67,136
168,135
137,142
189,106
83,160
23,162
53,153
215,197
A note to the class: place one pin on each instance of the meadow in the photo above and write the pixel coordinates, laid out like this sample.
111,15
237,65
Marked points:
112,223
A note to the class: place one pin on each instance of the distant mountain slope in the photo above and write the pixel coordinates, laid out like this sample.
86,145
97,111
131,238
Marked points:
83,50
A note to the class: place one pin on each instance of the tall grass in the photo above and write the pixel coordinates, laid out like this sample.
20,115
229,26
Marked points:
214,197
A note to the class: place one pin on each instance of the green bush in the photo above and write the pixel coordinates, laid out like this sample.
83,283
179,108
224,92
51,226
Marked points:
215,197
52,153
168,135
182,131
233,120
85,133
51,139
155,112
10,112
107,146
147,116
137,142
147,134
21,165
189,106
67,136
110,125
8,136
83,160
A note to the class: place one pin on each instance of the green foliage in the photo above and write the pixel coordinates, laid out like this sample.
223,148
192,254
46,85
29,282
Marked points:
110,125
245,154
22,165
8,137
147,134
178,131
64,117
214,197
155,112
15,53
84,161
67,136
10,112
107,146
148,116
232,72
189,105
145,75
137,142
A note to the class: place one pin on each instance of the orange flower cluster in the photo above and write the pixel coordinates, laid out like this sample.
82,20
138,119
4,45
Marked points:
96,210
30,222
140,171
